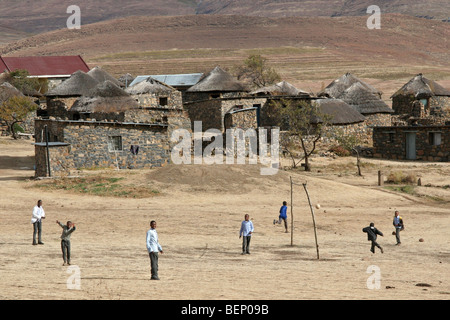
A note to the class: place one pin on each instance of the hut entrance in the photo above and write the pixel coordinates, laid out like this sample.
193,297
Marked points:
411,146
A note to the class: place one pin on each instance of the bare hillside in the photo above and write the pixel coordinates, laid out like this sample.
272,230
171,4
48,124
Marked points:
433,9
398,37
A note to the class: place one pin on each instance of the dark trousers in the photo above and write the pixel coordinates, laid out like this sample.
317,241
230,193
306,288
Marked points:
246,244
65,248
154,264
37,229
375,244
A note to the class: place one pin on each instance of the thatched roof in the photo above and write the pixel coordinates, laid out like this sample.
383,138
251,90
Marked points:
79,84
218,80
338,86
363,97
340,111
282,88
150,86
419,87
106,98
101,76
363,101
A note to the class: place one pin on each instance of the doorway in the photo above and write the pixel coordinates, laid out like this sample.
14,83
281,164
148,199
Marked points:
410,146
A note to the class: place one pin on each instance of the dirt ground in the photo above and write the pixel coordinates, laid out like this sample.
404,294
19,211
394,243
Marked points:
199,209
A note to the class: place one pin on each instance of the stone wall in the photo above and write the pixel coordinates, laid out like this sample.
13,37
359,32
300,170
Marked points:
359,130
438,106
390,143
59,107
60,163
244,119
153,100
208,112
90,145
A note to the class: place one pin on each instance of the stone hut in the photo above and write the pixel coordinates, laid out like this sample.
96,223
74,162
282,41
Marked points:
104,102
215,84
61,98
363,97
160,102
344,120
426,143
422,98
108,128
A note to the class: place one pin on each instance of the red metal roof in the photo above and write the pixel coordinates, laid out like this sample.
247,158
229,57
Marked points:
45,65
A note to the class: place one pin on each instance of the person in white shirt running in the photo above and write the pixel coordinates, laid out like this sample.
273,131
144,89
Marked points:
36,220
153,247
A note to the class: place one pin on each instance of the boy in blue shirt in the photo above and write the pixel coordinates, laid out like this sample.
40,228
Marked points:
282,216
246,231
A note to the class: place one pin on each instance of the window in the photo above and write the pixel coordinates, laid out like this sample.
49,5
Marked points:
163,101
434,138
391,136
115,143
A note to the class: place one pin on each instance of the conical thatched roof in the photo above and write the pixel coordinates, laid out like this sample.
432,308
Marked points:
218,80
150,86
106,97
419,87
341,112
363,97
107,89
79,84
282,88
338,86
363,101
101,76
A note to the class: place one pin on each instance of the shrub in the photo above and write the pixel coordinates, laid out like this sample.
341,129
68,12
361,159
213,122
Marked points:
340,151
397,177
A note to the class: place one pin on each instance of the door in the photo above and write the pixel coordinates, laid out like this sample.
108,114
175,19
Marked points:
410,146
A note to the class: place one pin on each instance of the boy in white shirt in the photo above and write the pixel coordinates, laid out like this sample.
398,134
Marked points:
36,220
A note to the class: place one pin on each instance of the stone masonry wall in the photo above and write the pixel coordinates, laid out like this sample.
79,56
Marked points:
90,147
390,143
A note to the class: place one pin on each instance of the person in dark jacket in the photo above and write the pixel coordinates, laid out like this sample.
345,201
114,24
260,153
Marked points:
372,233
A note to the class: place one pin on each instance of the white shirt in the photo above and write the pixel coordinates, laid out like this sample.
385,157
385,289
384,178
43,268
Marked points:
246,228
38,214
152,241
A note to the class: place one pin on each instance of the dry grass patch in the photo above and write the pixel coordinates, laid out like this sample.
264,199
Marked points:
97,186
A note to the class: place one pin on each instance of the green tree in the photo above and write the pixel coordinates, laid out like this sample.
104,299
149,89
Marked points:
28,86
14,110
303,125
256,72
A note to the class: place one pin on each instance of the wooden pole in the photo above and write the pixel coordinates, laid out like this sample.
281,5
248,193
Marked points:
314,220
292,216
48,152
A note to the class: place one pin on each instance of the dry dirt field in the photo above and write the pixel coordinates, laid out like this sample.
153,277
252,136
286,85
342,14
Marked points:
199,210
